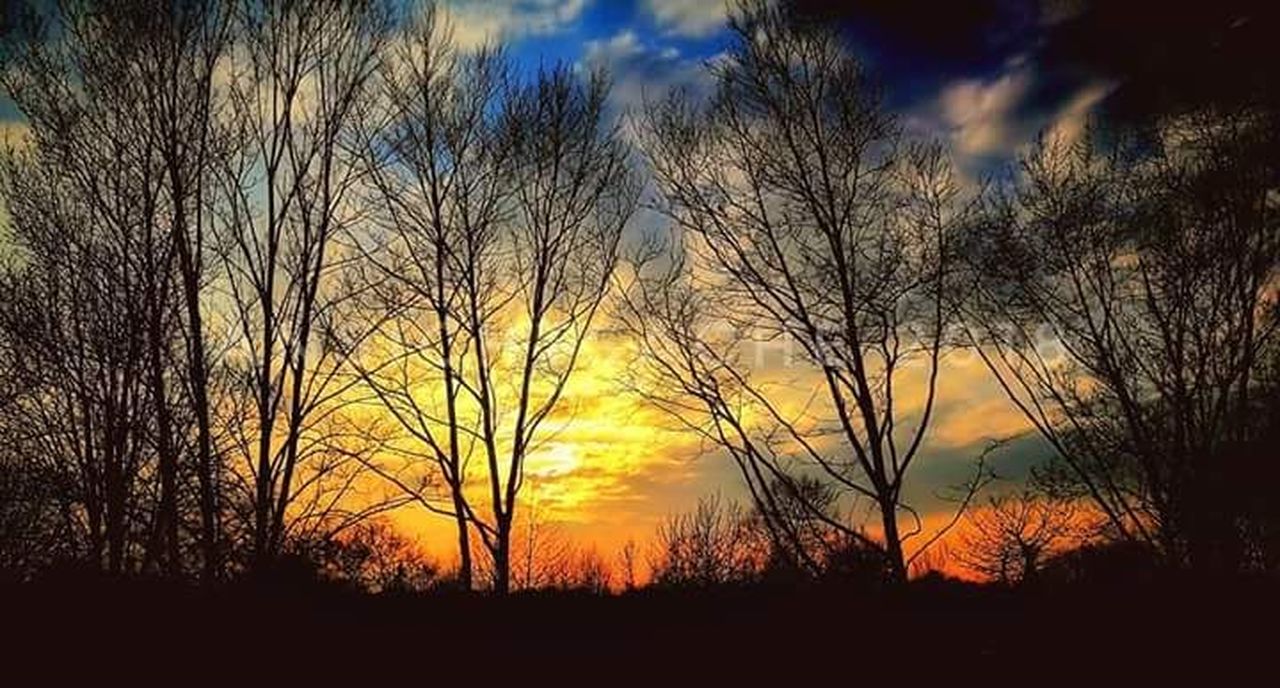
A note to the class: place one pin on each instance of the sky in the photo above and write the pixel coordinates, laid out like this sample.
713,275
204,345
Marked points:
985,76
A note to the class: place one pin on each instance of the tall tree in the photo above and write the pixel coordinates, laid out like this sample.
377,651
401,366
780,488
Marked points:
573,190
78,79
434,156
182,45
798,215
501,205
295,75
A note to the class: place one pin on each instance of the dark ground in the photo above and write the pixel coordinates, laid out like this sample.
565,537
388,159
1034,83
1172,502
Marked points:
932,634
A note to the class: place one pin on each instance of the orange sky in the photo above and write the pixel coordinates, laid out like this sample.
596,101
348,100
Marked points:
612,467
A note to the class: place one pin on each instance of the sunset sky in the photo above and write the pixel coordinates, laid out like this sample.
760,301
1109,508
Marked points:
619,467
985,77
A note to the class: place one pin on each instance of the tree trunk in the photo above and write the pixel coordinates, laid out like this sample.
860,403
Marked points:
502,559
464,540
893,543
199,381
168,530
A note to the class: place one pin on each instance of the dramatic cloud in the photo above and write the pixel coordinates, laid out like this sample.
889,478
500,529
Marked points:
1071,120
990,121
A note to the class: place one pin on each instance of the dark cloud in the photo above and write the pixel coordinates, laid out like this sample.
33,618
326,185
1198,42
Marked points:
915,46
929,30
938,480
1164,56
1158,56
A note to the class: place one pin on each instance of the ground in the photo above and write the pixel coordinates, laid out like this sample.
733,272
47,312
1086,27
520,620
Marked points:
933,633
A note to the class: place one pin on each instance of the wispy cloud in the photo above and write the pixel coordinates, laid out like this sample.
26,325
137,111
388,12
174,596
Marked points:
994,119
475,22
693,18
982,115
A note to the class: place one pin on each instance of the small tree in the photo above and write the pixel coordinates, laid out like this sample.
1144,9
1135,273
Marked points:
1009,538
718,543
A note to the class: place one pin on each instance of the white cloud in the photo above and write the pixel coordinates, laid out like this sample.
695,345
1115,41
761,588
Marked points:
688,17
619,48
476,21
642,71
981,115
1069,124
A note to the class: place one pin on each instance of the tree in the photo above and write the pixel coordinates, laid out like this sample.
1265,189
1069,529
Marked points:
800,216
34,531
627,565
182,47
718,543
285,195
93,279
1123,296
1011,536
544,558
434,156
499,208
73,345
370,555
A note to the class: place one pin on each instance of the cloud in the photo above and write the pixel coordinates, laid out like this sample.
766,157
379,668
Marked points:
982,115
992,120
1183,54
1073,117
693,18
641,71
475,22
621,47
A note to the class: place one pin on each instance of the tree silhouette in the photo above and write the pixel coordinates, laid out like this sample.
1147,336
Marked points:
1009,537
798,215
434,153
498,205
1124,299
285,195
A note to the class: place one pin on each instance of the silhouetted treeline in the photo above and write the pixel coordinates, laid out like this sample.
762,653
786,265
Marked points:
275,268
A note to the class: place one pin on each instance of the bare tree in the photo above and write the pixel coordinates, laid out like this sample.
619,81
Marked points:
499,207
433,157
799,217
35,530
543,557
573,192
718,543
78,78
1124,297
295,75
628,561
182,47
371,555
73,329
1009,538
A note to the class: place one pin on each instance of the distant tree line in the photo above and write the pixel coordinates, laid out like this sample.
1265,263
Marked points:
275,268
